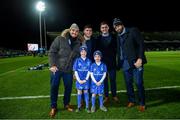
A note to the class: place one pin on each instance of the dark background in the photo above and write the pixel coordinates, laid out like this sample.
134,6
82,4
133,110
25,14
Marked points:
19,21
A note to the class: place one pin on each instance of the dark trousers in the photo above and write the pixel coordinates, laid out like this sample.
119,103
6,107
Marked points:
111,74
136,73
67,80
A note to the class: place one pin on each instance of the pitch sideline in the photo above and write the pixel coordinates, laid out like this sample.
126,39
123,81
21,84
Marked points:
61,95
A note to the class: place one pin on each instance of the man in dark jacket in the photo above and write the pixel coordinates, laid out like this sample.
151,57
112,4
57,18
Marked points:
131,57
64,49
89,41
106,43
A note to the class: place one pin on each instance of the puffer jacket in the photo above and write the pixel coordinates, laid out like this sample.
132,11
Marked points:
62,54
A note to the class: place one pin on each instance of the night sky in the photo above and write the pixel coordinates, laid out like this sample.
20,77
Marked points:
19,19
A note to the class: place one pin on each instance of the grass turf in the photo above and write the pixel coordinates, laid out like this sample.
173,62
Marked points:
15,80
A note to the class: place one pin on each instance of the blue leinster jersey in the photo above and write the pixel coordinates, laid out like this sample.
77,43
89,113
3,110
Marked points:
82,67
97,71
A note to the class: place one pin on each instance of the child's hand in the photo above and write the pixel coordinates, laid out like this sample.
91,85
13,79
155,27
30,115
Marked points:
98,83
82,81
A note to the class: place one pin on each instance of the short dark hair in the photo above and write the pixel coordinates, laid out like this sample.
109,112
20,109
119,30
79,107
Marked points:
88,26
104,23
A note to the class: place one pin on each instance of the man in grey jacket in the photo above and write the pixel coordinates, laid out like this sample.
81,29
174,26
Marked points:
64,49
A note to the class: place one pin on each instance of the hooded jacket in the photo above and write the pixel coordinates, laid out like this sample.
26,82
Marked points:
64,50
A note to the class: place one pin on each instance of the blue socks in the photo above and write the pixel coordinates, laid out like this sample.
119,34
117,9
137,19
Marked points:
86,96
79,100
93,101
101,101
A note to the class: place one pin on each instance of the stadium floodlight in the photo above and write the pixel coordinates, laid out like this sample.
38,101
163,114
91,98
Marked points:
40,6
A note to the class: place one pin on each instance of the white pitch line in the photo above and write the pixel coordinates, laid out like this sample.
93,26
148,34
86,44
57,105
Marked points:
61,95
11,71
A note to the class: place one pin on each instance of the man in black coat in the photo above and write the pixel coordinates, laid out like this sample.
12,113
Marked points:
131,57
89,41
106,43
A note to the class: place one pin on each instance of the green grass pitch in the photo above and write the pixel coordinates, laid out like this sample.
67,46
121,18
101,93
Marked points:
162,70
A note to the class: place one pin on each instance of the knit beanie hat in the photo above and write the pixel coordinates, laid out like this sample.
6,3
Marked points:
75,26
116,22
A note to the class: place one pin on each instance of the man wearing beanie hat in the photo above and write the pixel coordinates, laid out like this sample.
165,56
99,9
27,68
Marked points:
131,58
116,22
74,26
106,43
63,50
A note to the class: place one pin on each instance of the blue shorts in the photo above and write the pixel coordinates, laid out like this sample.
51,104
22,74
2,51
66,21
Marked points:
84,86
97,89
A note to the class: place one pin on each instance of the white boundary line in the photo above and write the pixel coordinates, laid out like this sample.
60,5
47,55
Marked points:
61,95
11,71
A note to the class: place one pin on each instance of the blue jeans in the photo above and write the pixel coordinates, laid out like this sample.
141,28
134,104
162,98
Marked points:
136,73
55,79
112,77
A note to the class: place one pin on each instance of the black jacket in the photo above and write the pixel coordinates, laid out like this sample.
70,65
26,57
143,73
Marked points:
90,47
133,46
108,49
